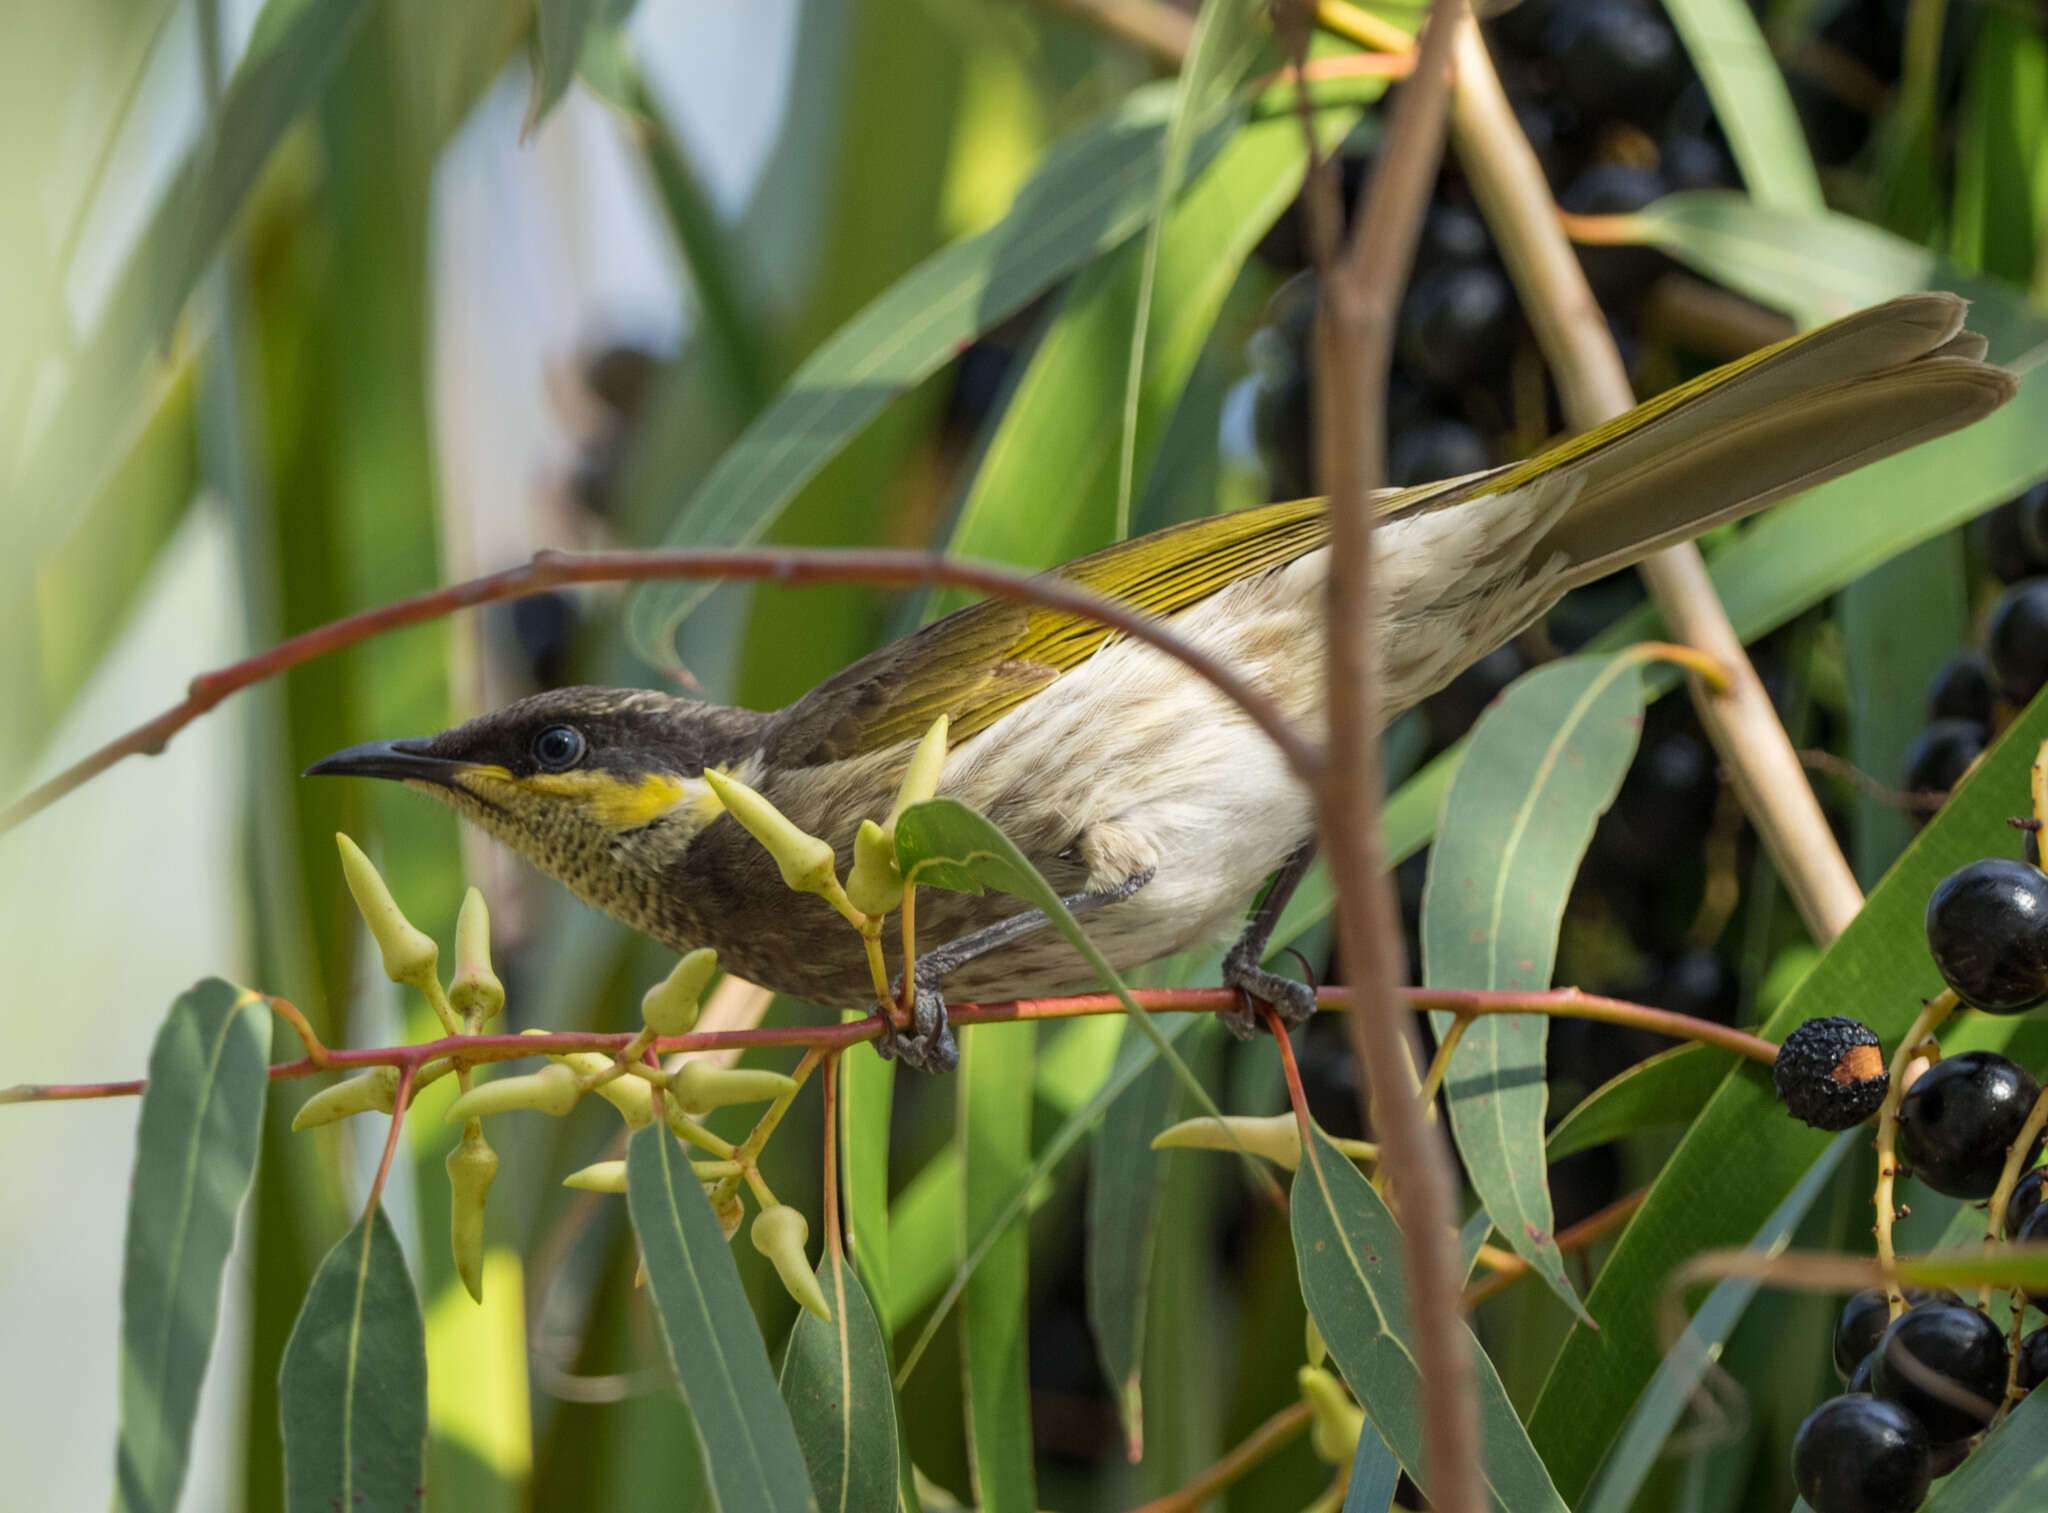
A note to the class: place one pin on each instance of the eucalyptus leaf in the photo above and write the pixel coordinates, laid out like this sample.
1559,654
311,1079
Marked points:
1751,104
195,1153
1541,766
560,28
2008,1472
352,1389
1665,1089
1348,1250
751,1451
1375,1475
993,1096
835,1379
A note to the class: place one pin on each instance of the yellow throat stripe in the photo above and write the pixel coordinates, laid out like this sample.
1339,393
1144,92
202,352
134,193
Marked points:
616,803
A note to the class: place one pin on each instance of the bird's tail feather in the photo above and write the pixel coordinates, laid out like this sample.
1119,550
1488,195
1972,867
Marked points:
1785,419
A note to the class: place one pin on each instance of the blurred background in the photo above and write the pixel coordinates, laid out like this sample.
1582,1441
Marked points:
309,305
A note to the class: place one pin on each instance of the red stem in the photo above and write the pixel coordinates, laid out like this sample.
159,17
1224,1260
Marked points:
398,1106
1567,1003
900,569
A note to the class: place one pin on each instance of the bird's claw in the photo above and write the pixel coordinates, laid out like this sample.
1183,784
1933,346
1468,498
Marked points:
1257,988
928,1042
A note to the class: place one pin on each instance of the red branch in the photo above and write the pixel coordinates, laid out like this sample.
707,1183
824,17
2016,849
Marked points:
891,569
476,1049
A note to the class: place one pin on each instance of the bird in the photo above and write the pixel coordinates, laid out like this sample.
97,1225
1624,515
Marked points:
1147,800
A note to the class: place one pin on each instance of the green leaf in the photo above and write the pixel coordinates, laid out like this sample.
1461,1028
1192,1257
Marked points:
1751,103
714,1346
1226,39
994,1101
195,1152
1048,488
867,1085
2008,1472
1678,1378
1375,1475
835,1379
1125,1177
1348,1249
2001,198
352,1392
559,30
1743,1154
1541,767
1667,1088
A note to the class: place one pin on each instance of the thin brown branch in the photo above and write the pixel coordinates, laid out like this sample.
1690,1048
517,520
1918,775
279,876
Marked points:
1570,1240
788,565
1354,347
1573,332
1274,1434
476,1050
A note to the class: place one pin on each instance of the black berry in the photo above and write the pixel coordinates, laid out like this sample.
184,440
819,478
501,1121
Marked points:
1458,324
1942,753
1945,1364
2026,1197
2016,640
1617,59
1433,450
1962,690
1987,928
2033,1367
1863,1322
1830,1073
1861,1455
1960,1117
2005,546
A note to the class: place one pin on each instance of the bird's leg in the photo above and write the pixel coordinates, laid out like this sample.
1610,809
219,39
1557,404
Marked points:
1242,968
928,1042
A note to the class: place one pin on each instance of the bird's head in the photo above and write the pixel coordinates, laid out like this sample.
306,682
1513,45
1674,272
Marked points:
601,787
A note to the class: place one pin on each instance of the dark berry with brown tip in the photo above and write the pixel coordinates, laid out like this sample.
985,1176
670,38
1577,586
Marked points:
1830,1073
1987,929
1960,1117
1945,1364
1861,1454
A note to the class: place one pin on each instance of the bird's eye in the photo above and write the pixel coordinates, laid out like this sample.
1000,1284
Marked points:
558,748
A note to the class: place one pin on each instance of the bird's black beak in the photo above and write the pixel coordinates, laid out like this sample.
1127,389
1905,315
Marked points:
406,761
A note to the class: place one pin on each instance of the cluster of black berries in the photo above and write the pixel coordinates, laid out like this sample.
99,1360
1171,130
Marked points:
1965,700
1922,1385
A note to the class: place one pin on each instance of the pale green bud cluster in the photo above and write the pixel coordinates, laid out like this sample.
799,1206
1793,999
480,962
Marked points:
409,952
371,1092
1276,1137
476,993
1335,1422
471,1167
805,859
670,1006
780,1234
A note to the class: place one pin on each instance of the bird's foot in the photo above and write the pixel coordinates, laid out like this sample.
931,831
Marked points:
927,1041
1257,988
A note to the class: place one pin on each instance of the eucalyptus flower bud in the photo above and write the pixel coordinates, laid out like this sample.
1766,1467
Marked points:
632,1096
599,1177
1335,1422
553,1090
873,882
700,1087
921,777
471,1166
805,860
1276,1137
670,1006
371,1092
409,952
476,989
779,1234
1312,1338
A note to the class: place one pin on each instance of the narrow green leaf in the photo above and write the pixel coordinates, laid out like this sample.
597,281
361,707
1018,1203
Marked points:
867,1086
2008,1473
1678,1378
1375,1475
352,1392
994,1101
1048,488
750,1447
2001,197
195,1152
559,30
1743,1154
1751,103
1125,1178
1666,1089
1541,767
1226,38
1348,1249
835,1379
